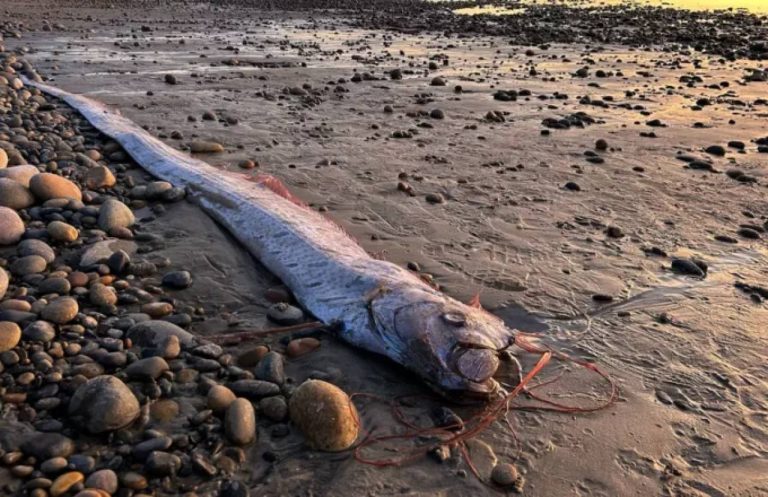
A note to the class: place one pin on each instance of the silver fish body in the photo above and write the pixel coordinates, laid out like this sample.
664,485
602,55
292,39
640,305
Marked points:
378,305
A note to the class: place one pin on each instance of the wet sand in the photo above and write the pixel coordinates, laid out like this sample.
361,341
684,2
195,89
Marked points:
588,263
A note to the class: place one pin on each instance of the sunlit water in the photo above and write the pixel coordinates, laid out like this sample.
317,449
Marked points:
754,6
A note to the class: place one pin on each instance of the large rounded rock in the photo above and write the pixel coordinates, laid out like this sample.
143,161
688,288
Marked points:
10,334
46,186
4,280
29,264
220,398
240,422
325,414
99,177
102,295
155,334
61,310
103,404
15,195
114,214
11,226
20,174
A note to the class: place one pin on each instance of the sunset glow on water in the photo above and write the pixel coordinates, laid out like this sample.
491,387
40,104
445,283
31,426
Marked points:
754,6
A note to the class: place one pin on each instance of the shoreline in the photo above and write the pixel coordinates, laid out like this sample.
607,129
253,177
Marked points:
598,269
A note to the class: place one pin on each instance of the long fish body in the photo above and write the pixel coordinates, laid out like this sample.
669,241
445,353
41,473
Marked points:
375,305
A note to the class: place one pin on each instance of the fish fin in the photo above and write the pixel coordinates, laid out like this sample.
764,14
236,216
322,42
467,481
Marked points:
475,301
278,187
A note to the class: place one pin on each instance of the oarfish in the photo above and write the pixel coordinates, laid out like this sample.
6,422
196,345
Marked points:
376,305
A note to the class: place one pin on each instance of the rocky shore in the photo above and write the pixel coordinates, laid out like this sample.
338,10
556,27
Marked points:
102,390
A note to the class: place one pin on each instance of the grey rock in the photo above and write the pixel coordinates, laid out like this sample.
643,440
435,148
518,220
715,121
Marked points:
162,463
104,479
271,368
44,446
147,369
36,247
103,404
154,334
39,331
254,389
114,214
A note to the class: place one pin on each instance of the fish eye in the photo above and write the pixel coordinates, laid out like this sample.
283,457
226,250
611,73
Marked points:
455,318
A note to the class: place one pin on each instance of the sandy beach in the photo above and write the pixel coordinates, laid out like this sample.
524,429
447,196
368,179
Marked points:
606,195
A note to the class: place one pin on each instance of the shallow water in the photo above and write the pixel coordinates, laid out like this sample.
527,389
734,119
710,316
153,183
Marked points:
753,6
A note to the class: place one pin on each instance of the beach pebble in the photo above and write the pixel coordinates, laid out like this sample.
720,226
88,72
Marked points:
62,232
134,481
251,357
29,264
20,174
4,280
57,285
102,295
61,310
10,334
161,463
157,309
3,158
504,474
104,403
219,398
114,214
147,369
11,226
205,147
155,333
39,331
271,368
15,195
36,247
325,415
46,186
170,79
274,408
240,422
44,446
301,346
63,483
285,314
99,177
54,465
177,279
104,479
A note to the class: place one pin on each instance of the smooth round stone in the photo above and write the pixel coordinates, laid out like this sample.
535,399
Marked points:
10,334
46,186
4,281
142,450
240,422
61,310
44,446
251,357
59,286
157,309
134,481
164,410
104,479
29,264
504,474
20,174
205,147
102,295
11,226
78,278
39,331
99,177
156,189
162,463
62,232
271,368
285,314
275,408
301,346
220,398
325,415
177,279
3,156
16,305
15,195
54,465
147,369
115,214
36,247
154,334
104,404
63,483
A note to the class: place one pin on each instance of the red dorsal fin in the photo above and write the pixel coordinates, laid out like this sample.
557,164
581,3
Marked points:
475,301
278,187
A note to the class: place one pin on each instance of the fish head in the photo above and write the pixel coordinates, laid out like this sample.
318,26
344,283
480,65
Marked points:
453,346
